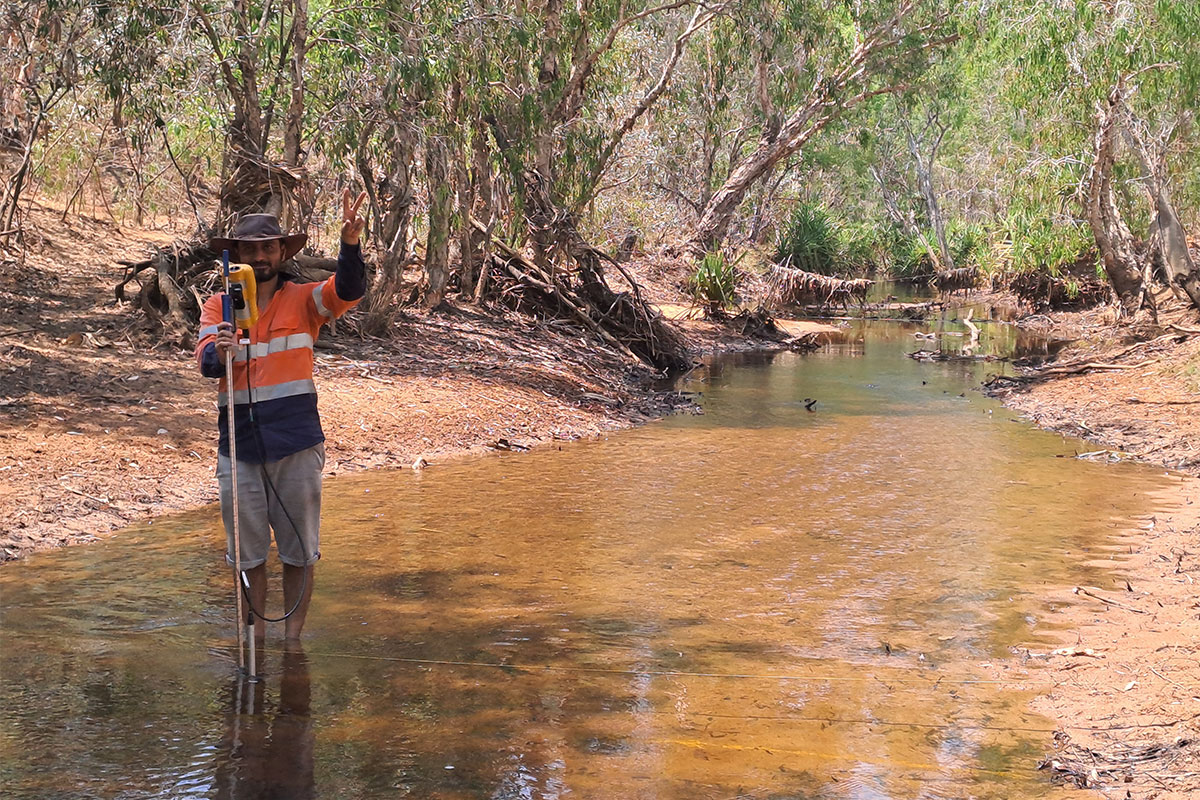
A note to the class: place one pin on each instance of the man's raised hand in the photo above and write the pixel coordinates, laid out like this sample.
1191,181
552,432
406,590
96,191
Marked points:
352,223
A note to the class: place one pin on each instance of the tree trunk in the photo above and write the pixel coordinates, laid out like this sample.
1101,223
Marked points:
465,184
1169,234
391,198
1173,243
1118,252
252,182
827,99
441,208
9,223
487,206
924,170
293,156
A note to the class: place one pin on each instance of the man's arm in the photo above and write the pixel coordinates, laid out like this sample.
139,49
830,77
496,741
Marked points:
350,280
206,346
338,295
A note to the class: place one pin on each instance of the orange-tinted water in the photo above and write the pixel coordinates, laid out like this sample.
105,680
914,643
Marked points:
760,602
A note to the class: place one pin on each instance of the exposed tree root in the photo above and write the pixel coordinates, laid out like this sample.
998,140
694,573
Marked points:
962,279
787,286
565,280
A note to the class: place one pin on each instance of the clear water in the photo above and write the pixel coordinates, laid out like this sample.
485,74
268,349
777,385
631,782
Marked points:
762,601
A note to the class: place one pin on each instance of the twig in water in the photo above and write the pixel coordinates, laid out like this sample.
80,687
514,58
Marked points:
1081,590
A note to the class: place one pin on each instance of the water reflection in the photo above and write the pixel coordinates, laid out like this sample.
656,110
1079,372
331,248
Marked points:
267,752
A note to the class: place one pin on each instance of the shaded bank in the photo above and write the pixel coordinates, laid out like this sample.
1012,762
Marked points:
95,438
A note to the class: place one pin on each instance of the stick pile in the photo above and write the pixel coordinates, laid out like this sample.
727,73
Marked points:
962,279
795,287
566,282
1042,291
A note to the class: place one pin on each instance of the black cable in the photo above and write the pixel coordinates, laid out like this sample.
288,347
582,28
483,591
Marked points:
262,453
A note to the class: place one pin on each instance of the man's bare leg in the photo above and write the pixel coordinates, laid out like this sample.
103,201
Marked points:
257,577
295,579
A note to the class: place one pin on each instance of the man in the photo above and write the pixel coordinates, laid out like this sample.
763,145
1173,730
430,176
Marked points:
280,445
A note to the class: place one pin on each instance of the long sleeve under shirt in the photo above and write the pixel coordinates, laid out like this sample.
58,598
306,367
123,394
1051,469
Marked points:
275,398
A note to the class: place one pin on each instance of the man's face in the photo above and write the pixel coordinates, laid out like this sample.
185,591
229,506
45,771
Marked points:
265,256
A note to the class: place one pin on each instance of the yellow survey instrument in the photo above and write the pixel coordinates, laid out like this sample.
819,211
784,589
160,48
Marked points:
241,287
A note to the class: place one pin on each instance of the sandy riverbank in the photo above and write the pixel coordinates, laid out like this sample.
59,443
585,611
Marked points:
1125,688
102,425
100,429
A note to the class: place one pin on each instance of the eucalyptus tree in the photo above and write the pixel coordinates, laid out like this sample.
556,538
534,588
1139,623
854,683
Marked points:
816,61
909,137
496,101
46,49
1088,77
259,52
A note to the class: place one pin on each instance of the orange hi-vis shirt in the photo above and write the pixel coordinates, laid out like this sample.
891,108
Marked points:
275,398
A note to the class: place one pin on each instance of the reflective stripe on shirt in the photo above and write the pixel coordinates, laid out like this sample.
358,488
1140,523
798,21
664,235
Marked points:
294,341
316,294
272,392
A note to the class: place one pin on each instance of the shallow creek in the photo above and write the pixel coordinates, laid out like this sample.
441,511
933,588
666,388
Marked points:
762,601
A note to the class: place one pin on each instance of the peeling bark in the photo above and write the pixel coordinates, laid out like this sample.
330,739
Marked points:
1118,250
828,99
441,207
1168,232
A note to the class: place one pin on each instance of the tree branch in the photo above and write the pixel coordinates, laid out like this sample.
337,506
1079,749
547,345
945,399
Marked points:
582,70
698,21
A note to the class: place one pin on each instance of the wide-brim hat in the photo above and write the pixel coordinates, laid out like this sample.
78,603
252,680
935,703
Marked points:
259,228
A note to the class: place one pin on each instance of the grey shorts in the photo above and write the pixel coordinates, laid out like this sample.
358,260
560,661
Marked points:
275,495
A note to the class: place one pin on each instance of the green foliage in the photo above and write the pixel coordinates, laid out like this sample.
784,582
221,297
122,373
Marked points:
1003,122
810,242
814,241
909,258
714,282
863,246
970,245
1038,244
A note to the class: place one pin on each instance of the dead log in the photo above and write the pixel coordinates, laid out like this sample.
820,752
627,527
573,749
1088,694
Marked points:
1076,289
1079,369
787,286
962,279
969,346
526,271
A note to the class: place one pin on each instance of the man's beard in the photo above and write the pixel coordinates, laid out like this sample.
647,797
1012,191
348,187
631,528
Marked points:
265,273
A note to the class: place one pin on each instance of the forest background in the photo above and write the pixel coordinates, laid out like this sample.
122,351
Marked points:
515,152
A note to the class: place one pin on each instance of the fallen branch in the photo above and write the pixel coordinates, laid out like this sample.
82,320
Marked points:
1101,365
788,286
575,288
1162,402
1094,596
543,283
